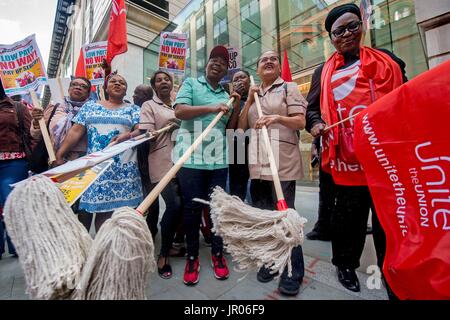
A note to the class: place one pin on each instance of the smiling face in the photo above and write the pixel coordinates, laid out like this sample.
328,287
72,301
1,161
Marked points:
117,87
79,90
163,85
216,69
347,42
269,65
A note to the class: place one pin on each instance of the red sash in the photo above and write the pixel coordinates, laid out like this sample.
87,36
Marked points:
344,93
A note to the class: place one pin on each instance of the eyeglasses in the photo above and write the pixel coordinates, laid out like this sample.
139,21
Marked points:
351,27
271,59
79,85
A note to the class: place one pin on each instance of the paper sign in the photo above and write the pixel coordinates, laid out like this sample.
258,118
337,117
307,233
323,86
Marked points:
21,67
74,188
172,52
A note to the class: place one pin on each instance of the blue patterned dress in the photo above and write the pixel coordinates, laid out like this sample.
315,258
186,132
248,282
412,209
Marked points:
120,185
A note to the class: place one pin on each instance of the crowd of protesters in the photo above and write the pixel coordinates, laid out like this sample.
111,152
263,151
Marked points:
79,126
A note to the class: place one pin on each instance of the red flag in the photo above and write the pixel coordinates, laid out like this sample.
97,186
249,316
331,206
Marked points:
402,142
80,71
117,35
286,69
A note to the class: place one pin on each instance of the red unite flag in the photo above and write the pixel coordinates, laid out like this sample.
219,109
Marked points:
117,35
286,69
402,142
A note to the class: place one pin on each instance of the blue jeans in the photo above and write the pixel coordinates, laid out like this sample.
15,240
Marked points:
11,171
197,183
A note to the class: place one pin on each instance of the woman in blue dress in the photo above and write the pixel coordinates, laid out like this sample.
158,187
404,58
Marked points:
112,120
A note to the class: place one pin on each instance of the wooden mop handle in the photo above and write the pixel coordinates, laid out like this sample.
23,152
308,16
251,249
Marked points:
177,166
281,205
339,122
153,134
43,127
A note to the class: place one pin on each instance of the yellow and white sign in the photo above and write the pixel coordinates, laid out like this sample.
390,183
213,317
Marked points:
74,188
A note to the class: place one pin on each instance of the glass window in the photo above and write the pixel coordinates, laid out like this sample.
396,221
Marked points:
218,4
200,21
200,42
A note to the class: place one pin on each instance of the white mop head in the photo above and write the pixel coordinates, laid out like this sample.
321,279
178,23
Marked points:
256,237
51,243
120,260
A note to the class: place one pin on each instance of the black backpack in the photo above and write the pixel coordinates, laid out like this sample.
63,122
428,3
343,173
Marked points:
39,157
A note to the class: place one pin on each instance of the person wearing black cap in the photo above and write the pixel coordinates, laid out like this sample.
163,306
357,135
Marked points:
197,104
350,80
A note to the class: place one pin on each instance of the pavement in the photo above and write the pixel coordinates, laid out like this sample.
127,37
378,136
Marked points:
320,281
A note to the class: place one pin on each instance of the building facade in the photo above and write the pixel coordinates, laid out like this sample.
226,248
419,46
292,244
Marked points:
297,26
78,22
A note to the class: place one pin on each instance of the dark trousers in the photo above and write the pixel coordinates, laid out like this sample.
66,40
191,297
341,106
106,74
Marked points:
264,197
327,202
349,226
239,176
197,183
11,171
171,216
153,211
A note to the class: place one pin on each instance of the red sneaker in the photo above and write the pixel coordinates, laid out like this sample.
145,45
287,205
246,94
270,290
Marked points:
219,265
191,271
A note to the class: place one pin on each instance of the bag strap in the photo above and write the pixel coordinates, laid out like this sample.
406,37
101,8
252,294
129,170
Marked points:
51,115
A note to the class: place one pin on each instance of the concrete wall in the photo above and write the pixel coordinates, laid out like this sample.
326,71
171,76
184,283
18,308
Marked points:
433,19
130,65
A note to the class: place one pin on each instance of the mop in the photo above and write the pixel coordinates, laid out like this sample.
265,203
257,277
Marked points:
122,256
256,237
51,243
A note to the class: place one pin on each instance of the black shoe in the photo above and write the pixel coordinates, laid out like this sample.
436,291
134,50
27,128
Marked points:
349,279
289,286
314,235
264,275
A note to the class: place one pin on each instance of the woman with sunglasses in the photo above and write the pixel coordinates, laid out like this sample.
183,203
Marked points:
350,80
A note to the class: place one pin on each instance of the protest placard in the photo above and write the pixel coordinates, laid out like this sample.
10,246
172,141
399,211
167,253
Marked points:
74,188
172,52
21,66
234,64
94,53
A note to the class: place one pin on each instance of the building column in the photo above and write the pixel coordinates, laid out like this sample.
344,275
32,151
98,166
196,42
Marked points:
209,25
234,23
193,46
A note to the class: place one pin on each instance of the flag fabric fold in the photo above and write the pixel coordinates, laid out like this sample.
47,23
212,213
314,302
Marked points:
402,142
117,34
286,69
80,70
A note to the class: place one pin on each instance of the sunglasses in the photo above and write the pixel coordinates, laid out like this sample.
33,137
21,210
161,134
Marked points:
351,27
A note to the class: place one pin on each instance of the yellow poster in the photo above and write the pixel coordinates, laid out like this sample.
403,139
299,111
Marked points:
21,67
74,188
172,52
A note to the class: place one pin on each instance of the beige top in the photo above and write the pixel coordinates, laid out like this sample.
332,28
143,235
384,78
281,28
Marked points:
78,150
156,115
282,98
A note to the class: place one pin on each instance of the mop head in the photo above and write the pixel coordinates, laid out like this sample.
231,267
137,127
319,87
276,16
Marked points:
120,260
256,237
51,243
